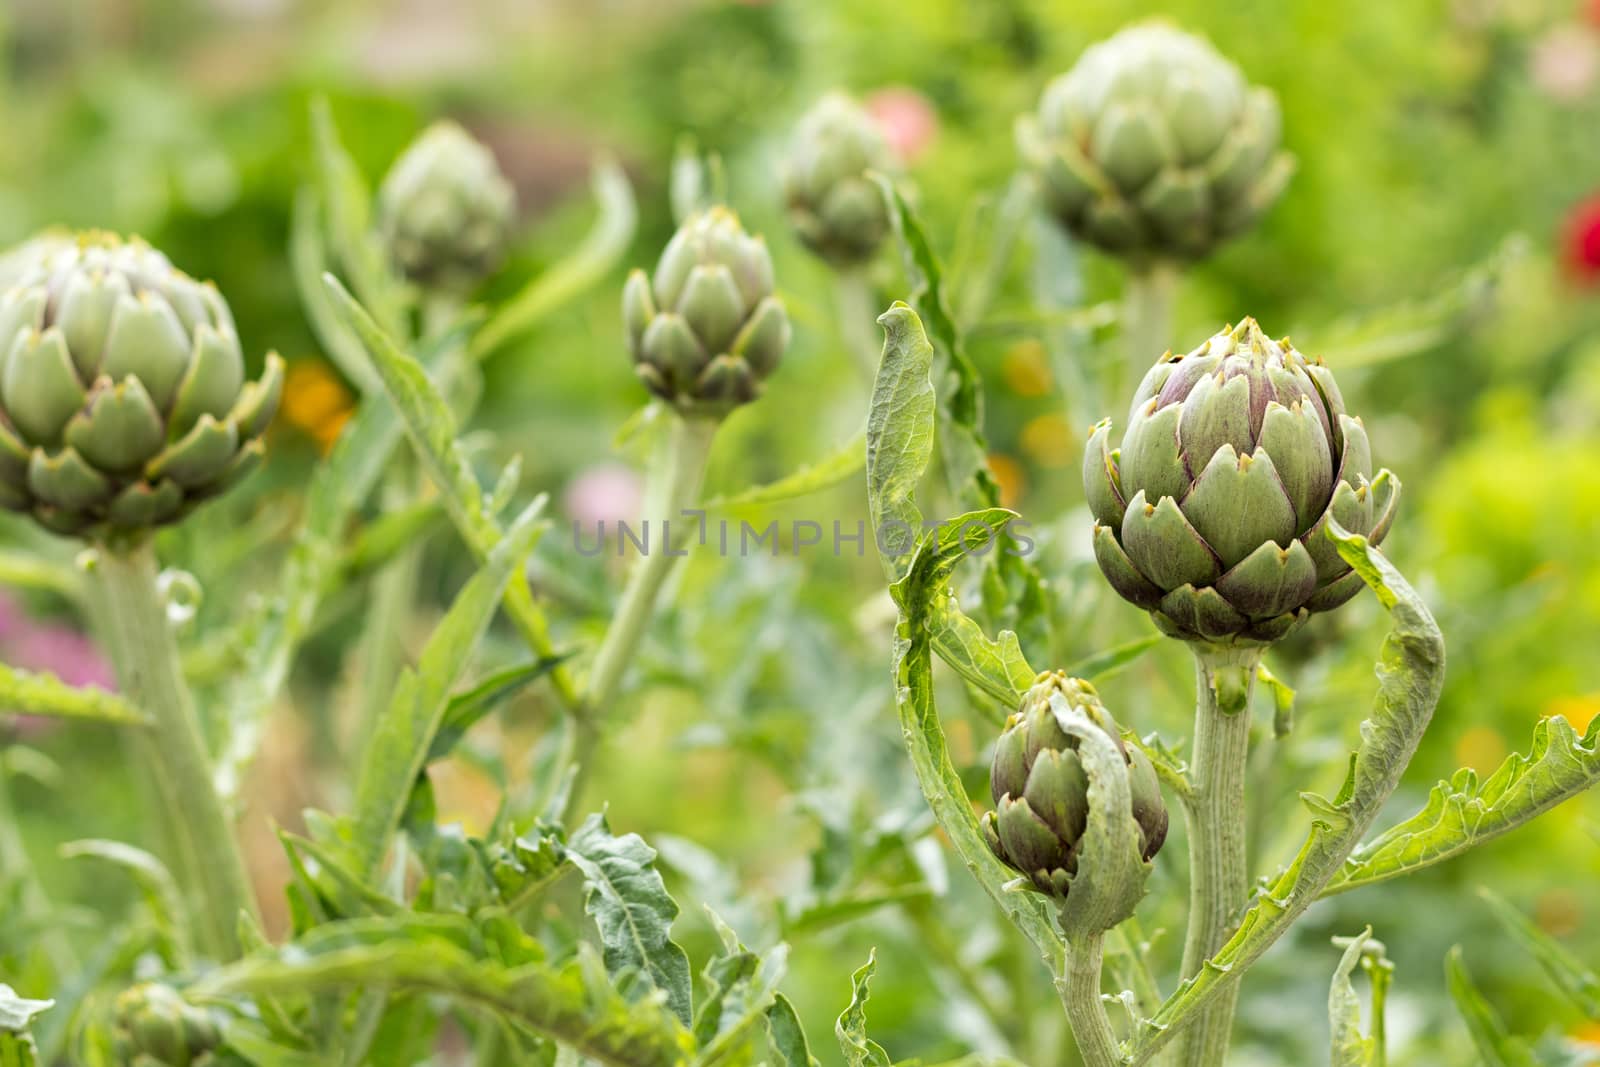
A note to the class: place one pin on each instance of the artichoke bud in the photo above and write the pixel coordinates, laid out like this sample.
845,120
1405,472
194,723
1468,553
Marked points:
706,329
836,211
1040,787
123,401
1154,147
445,210
1213,513
155,1027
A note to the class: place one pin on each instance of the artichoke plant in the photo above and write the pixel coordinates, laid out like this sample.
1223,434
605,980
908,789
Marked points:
445,209
155,1027
836,211
1041,790
123,402
1212,513
706,329
1154,147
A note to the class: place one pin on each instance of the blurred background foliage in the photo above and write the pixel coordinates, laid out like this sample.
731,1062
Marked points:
1433,137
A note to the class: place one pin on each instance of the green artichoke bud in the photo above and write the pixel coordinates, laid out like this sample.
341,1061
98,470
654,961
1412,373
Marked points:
1212,515
123,402
836,211
1041,789
155,1027
445,209
706,329
1154,147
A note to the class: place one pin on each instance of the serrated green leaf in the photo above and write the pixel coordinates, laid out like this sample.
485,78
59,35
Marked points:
1461,813
1577,983
917,595
585,266
1410,674
157,889
571,1004
851,1029
741,988
1495,1045
786,1036
632,909
399,747
42,693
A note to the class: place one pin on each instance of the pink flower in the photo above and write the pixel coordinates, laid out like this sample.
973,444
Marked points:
1565,63
1582,243
605,492
63,652
906,118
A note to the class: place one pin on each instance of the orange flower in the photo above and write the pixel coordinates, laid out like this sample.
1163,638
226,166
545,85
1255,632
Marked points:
316,402
1579,710
1011,477
1049,441
1481,748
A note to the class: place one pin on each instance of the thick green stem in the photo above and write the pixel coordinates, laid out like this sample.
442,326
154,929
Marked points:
1219,873
674,487
138,637
1146,318
1079,986
858,319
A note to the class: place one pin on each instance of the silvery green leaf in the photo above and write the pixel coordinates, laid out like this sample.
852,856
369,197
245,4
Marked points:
851,1029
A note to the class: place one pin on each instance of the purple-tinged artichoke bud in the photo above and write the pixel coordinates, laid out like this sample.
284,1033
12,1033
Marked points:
1213,513
706,329
445,210
1154,147
155,1027
836,211
123,402
1040,787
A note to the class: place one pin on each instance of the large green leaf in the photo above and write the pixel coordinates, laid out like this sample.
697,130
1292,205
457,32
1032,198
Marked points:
573,1004
1577,982
405,736
1410,674
631,906
1463,812
582,268
42,693
918,595
859,1049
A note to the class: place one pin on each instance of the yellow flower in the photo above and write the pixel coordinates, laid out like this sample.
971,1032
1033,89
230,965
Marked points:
1579,710
1481,748
316,402
1009,474
1049,441
1026,370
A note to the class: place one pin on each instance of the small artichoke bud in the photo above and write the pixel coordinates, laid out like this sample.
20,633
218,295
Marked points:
1154,147
1213,513
445,210
1040,788
836,211
155,1027
707,328
123,402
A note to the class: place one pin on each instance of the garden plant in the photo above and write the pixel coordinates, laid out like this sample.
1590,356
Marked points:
977,738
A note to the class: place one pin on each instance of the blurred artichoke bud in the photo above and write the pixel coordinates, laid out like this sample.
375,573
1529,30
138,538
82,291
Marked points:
706,329
123,402
445,209
1212,514
1041,788
155,1027
836,211
1153,147
16,261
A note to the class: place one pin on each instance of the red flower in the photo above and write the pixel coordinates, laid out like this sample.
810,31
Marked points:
1583,241
1592,8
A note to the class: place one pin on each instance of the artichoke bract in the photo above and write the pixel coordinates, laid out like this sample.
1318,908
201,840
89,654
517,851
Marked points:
1041,790
706,329
1212,514
836,211
1154,147
445,209
155,1027
123,401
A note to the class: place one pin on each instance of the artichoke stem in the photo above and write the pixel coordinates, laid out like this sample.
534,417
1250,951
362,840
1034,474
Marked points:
1218,864
674,486
1147,301
1079,986
199,835
858,318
